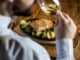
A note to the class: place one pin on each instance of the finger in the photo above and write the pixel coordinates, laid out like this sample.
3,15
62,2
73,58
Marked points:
59,13
62,16
71,22
65,15
69,19
57,21
60,21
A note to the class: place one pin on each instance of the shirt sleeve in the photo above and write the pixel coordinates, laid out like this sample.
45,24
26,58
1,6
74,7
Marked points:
4,31
35,51
64,49
4,22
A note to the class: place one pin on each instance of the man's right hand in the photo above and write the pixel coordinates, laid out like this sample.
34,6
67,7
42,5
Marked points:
64,26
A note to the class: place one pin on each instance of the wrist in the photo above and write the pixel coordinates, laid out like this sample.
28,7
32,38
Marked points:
64,47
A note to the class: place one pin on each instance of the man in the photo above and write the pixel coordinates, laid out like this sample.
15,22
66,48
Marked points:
64,29
26,48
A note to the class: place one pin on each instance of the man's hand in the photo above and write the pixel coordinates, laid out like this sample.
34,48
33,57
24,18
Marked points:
64,27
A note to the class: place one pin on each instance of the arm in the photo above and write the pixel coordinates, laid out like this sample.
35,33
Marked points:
64,49
65,30
4,21
34,50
